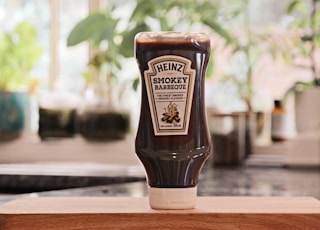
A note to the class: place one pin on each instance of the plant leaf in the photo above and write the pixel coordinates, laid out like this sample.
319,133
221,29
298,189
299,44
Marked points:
96,27
221,31
127,46
292,6
135,83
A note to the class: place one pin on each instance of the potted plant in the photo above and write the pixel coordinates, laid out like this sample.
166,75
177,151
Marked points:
306,22
249,47
100,118
19,52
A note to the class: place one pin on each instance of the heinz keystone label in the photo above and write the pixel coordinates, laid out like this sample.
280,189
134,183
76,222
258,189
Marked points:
170,84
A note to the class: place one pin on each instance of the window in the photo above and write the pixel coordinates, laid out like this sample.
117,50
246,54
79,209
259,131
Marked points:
60,67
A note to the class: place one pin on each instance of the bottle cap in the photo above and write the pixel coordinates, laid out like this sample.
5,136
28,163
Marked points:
172,198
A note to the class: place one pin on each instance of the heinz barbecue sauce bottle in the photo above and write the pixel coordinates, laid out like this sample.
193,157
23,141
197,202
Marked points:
172,141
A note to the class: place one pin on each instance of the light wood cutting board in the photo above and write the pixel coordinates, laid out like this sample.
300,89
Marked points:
93,213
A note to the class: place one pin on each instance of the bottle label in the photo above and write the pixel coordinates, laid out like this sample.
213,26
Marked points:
170,84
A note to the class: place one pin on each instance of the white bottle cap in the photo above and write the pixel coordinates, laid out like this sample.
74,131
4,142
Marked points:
172,198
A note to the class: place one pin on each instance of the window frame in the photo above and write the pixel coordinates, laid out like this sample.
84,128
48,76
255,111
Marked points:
54,67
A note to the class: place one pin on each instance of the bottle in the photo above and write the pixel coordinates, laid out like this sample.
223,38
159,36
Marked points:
172,140
282,123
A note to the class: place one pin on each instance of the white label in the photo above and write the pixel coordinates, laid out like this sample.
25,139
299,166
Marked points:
169,84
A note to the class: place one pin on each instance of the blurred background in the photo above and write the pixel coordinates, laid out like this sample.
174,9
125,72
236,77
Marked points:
257,51
70,90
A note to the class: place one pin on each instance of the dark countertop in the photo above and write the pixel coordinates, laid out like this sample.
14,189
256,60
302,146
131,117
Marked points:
37,177
239,181
260,181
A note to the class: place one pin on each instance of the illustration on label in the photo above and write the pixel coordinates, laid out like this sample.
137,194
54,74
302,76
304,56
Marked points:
172,114
169,84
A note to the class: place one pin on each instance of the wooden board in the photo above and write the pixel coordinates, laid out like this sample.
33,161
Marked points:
93,213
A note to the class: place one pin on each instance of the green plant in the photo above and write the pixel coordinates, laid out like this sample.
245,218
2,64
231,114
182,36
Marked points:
179,15
249,45
173,15
306,19
97,28
19,52
306,22
167,15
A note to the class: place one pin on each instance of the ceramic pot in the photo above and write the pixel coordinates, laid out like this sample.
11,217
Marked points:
307,110
57,115
100,119
12,116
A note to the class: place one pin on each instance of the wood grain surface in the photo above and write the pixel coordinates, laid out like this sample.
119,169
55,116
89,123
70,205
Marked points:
93,213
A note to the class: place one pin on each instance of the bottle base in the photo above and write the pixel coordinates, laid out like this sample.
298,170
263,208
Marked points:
172,198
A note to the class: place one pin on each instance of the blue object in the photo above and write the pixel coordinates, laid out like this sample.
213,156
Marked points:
12,114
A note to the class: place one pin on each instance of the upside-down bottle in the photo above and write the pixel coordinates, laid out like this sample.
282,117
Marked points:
173,140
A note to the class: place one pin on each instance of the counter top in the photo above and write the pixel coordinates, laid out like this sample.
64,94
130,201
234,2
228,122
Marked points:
112,169
134,213
239,181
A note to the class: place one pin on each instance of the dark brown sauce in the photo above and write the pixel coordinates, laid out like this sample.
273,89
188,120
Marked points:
174,161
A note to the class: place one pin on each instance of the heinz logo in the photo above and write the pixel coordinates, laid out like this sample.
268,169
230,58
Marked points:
169,66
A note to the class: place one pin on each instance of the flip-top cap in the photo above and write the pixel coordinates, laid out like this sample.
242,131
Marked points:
172,198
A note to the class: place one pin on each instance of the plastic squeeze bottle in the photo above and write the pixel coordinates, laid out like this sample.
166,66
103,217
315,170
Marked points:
173,140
